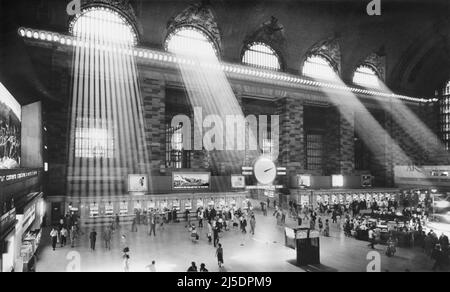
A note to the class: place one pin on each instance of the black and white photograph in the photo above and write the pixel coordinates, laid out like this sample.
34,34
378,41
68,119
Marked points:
250,139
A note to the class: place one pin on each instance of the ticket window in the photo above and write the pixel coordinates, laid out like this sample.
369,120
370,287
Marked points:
94,210
200,203
188,205
109,209
176,205
151,206
124,208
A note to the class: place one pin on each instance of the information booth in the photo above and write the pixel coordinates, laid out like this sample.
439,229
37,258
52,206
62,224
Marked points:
307,244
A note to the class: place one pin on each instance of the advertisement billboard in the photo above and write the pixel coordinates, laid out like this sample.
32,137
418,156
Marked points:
191,180
10,130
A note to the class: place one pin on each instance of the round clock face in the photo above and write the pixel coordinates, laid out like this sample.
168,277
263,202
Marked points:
265,171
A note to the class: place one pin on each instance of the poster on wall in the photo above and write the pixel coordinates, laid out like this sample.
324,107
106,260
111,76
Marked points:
191,180
137,183
304,181
366,181
237,181
10,130
151,205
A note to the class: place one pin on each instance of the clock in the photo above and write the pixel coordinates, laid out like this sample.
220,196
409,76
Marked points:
265,171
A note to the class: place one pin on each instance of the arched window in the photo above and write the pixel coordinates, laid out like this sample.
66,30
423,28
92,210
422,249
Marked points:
103,25
445,115
318,67
261,55
190,41
366,76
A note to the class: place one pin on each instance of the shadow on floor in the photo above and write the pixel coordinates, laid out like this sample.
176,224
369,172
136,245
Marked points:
314,268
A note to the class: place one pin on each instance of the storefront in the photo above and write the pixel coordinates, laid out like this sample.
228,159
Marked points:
28,232
7,241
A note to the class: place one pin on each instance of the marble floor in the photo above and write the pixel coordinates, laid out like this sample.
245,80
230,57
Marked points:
173,251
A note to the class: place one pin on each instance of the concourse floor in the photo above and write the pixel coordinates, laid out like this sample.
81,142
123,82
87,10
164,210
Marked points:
173,250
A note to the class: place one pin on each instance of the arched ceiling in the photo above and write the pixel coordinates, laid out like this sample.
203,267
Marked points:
414,35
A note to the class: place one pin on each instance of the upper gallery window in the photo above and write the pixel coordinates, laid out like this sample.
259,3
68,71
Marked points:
318,67
444,103
94,139
261,55
103,25
190,41
366,76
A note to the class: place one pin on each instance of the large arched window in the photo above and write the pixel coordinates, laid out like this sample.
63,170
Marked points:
190,41
261,55
445,115
103,25
366,76
318,67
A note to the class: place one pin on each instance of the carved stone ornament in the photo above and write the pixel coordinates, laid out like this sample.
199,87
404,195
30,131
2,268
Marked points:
330,50
199,16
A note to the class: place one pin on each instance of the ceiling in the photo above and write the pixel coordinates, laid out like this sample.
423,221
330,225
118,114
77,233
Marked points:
414,35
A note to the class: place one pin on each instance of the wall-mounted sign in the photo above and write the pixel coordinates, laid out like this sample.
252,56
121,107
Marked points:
10,178
191,180
238,181
137,183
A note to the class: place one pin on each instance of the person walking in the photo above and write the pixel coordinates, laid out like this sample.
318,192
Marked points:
219,254
152,267
327,228
152,225
320,225
210,230
371,238
54,236
126,260
117,221
215,235
253,224
64,235
93,239
73,234
107,234
134,225
438,256
200,215
299,219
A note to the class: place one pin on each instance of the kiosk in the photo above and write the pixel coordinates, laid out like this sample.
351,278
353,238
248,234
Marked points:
307,244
